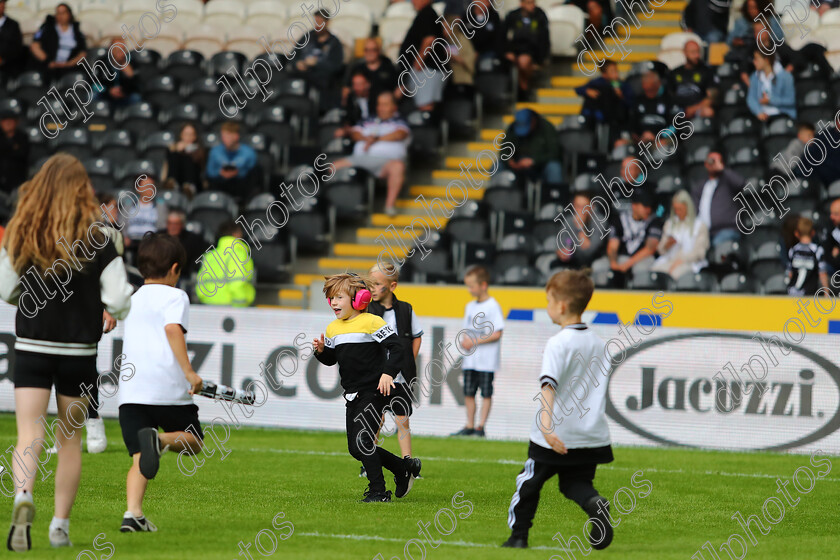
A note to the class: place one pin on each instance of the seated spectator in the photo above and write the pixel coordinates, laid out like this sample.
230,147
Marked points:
113,222
822,6
591,244
795,149
321,61
382,148
230,165
634,235
194,245
598,12
536,153
829,170
708,18
123,90
360,104
462,53
742,34
807,271
652,110
715,200
426,87
377,68
12,51
488,38
226,276
14,152
685,240
694,84
604,98
528,43
59,44
149,215
186,159
831,241
771,90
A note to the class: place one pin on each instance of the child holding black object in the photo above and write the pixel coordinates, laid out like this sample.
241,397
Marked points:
369,356
400,316
563,442
159,394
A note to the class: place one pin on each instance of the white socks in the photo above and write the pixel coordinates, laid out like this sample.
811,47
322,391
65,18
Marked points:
57,523
23,495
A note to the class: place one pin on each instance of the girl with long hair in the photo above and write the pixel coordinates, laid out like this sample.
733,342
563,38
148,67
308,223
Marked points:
685,239
61,270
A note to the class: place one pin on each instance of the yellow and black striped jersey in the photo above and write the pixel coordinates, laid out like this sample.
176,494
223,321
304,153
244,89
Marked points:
364,347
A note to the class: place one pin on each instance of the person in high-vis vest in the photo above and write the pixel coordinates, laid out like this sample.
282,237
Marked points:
227,276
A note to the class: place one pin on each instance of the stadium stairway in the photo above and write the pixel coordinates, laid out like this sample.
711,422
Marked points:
357,250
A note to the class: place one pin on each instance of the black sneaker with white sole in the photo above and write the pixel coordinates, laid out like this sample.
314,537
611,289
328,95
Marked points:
597,538
149,452
376,496
131,524
406,481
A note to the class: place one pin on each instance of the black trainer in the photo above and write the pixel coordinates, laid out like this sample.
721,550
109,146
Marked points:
464,432
414,467
591,508
479,432
149,452
376,496
131,524
515,542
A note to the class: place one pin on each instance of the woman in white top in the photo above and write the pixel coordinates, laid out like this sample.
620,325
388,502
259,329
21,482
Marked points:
685,239
59,44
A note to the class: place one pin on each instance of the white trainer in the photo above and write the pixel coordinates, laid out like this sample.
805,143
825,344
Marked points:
22,515
59,538
96,439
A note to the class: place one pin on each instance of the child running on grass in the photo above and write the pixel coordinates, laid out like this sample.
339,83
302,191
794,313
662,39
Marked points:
369,356
159,394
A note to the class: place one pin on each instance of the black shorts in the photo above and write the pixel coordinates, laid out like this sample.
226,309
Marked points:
171,418
399,401
67,373
475,379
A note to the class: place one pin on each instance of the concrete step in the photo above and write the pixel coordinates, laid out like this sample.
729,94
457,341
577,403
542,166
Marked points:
629,57
455,162
361,250
336,265
491,133
445,176
623,67
434,191
306,279
402,220
557,95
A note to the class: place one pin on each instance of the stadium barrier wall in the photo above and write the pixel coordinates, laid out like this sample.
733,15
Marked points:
661,392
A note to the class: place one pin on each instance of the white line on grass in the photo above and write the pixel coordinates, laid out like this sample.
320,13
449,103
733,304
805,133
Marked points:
391,539
514,462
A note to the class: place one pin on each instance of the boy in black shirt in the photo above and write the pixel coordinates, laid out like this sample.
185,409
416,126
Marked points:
807,268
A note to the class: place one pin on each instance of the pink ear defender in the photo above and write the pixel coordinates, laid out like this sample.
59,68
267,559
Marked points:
361,300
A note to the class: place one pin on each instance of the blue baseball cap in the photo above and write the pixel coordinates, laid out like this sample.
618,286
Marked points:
522,122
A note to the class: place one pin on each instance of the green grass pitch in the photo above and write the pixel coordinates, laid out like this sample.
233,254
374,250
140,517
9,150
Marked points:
310,478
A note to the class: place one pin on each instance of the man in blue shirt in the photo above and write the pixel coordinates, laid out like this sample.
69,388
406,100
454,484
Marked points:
230,164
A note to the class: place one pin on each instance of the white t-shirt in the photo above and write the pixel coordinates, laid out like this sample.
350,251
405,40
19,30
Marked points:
157,379
392,149
560,366
478,319
416,331
66,43
144,220
704,210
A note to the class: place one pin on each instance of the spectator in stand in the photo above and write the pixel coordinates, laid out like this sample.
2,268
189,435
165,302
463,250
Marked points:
463,56
108,204
528,43
377,68
12,51
807,270
59,44
230,165
822,6
708,18
743,34
771,90
226,276
685,240
14,152
634,235
488,38
360,104
123,90
382,148
829,170
652,110
599,13
321,61
604,98
694,84
186,160
795,149
426,80
194,245
147,216
591,244
632,174
831,241
536,150
715,200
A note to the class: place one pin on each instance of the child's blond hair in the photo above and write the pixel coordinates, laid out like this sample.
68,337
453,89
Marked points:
482,275
347,283
572,286
805,227
388,270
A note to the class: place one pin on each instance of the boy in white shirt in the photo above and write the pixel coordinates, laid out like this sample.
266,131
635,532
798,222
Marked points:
480,365
563,442
159,394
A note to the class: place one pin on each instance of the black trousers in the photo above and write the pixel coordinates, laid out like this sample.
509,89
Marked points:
575,484
364,413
